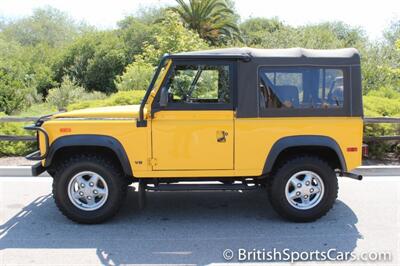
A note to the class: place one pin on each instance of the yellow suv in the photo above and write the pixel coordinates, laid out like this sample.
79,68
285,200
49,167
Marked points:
288,120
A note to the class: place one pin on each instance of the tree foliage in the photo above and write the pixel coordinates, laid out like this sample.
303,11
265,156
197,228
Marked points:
213,20
136,76
170,36
47,25
69,92
14,81
93,61
38,51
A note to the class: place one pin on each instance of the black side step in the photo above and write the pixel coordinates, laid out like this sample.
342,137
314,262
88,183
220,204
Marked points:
199,187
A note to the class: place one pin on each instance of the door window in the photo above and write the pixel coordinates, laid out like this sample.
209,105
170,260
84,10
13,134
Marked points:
196,84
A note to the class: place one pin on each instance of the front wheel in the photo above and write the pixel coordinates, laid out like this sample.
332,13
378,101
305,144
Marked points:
88,188
303,189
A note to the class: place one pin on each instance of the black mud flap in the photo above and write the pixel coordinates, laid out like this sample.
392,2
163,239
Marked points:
38,169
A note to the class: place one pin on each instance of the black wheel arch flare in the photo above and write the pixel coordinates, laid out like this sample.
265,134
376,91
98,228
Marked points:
91,140
302,141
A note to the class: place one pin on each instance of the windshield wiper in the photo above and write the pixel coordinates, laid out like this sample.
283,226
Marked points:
196,78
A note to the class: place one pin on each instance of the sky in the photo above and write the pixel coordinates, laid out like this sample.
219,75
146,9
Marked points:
372,15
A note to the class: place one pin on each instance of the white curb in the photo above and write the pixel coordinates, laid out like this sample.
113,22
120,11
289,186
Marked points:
13,171
378,170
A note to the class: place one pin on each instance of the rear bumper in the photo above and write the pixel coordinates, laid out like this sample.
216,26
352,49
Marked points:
37,169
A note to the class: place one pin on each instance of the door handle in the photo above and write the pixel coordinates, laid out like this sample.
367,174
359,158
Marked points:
221,136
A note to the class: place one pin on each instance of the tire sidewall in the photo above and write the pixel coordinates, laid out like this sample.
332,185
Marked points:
327,176
62,182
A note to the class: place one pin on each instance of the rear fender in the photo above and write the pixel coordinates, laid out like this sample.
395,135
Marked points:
302,141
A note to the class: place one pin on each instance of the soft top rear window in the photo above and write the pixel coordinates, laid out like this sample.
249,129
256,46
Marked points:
301,88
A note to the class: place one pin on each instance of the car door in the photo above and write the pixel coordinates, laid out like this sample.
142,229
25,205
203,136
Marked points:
194,131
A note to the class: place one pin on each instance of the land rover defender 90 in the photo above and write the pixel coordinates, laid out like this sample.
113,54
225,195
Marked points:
285,120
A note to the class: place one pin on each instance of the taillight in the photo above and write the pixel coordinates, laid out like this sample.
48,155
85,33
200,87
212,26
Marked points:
365,150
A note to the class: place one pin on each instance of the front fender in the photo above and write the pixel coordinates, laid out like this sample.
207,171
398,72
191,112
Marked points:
90,140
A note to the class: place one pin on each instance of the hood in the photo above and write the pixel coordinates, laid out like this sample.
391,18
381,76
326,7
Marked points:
126,111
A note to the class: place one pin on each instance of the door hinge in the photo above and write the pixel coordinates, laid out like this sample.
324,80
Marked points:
153,161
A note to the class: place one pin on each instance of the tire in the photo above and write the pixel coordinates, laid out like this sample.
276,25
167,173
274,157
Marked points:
110,183
283,189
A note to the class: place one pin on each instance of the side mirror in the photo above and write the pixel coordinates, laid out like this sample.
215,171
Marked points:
164,97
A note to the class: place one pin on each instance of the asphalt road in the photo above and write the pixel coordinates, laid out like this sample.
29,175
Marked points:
194,227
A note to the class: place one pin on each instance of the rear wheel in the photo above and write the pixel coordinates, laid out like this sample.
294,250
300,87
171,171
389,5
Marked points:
303,189
89,188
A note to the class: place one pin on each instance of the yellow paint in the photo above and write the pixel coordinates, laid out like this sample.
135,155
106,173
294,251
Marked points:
255,137
127,111
134,140
188,140
185,143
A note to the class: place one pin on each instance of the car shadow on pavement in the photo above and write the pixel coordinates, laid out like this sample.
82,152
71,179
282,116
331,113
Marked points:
180,227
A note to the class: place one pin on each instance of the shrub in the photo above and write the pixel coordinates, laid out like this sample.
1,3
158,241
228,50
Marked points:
68,93
39,110
127,97
137,76
14,148
90,96
93,60
13,91
119,98
397,150
378,149
382,102
385,92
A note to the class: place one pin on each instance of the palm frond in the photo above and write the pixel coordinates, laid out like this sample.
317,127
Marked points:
212,19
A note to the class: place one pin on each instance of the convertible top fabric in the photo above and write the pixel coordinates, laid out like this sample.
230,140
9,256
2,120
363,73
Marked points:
250,60
273,53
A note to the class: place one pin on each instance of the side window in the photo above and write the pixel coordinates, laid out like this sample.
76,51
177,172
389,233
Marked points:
305,87
199,84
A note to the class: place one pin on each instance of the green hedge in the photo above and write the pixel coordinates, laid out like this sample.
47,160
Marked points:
14,148
383,102
119,98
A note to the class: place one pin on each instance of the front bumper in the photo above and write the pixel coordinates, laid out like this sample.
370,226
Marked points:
37,155
37,169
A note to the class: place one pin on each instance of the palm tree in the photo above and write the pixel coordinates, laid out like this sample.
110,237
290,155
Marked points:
213,20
